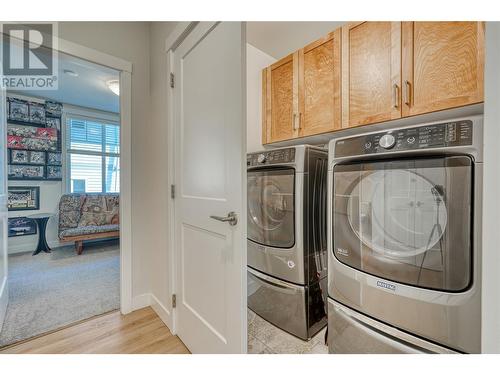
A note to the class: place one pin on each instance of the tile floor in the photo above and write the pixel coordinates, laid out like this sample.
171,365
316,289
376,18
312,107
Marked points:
264,338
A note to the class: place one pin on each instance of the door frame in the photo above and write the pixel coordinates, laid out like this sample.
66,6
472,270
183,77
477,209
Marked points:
124,68
178,35
4,281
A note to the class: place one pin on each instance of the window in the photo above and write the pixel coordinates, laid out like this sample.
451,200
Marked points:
92,155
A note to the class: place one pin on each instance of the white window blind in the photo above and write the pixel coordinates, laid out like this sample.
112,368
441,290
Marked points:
93,155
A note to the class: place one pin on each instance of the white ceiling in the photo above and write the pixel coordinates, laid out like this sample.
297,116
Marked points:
279,39
87,90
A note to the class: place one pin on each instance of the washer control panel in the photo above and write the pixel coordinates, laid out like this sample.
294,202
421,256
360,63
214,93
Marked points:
449,134
285,155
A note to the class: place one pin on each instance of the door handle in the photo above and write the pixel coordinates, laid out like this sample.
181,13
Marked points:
231,218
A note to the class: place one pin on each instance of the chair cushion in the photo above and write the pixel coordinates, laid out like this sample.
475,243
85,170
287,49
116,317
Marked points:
70,210
99,209
90,229
88,211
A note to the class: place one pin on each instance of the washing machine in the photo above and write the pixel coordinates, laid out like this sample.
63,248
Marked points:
286,257
404,245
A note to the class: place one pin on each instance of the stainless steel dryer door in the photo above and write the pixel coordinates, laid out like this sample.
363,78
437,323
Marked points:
407,221
275,245
271,214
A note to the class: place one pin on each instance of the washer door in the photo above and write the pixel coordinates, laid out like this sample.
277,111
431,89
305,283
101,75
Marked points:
271,207
397,213
408,220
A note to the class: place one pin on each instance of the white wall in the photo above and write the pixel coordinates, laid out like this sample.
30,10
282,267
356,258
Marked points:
256,61
159,220
491,210
130,41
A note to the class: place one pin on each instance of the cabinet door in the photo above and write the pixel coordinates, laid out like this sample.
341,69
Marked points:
280,103
371,72
319,86
443,65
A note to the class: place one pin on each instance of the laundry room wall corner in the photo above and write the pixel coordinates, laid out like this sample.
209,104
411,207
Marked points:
490,342
161,265
256,61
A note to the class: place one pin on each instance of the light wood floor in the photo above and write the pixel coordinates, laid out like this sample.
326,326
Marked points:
140,332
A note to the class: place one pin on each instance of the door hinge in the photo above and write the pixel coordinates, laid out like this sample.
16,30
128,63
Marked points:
172,191
174,301
172,80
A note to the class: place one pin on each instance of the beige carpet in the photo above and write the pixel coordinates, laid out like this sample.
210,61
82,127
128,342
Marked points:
50,291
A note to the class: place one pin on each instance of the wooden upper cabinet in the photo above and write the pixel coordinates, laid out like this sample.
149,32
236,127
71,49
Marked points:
280,100
319,86
371,72
443,65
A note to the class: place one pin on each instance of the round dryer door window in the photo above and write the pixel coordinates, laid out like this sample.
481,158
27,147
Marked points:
397,213
271,207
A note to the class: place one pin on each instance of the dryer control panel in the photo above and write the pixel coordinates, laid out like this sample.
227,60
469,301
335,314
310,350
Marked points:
449,134
285,155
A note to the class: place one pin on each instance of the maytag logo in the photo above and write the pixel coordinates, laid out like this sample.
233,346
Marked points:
383,284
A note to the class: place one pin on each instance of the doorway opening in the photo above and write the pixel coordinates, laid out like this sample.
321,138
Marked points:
63,155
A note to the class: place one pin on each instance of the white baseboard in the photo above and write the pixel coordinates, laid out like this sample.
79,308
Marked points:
149,299
30,247
162,312
4,300
141,301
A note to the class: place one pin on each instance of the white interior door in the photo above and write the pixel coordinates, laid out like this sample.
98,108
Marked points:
4,290
210,179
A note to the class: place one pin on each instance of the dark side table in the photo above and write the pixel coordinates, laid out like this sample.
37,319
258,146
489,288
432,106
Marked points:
41,221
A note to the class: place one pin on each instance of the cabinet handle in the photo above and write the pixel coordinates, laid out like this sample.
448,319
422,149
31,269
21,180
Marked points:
395,96
407,93
294,122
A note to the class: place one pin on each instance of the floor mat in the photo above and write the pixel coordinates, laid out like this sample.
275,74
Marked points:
50,291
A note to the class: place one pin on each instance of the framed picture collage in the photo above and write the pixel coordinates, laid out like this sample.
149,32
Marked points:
34,153
34,140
